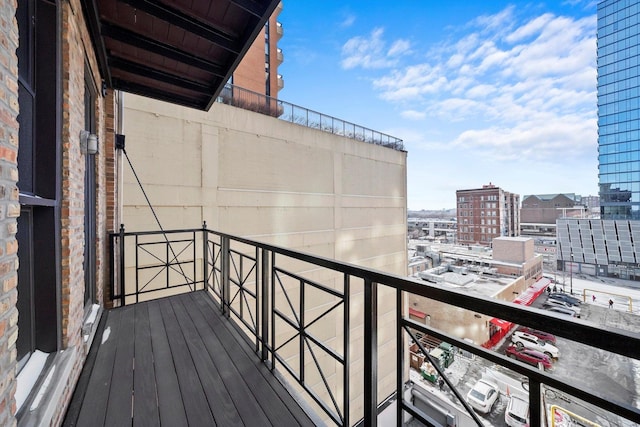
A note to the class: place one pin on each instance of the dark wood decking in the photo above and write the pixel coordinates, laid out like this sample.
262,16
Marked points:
176,362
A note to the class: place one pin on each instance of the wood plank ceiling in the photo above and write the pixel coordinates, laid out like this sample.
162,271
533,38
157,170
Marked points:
181,51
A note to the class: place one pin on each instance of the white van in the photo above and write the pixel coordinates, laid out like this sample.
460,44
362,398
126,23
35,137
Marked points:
517,412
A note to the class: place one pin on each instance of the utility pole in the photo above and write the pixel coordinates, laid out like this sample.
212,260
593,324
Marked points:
571,274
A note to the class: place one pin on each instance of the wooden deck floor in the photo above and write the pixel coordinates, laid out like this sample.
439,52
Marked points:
176,362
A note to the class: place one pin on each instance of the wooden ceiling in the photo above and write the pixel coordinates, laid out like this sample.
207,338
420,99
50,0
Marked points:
181,51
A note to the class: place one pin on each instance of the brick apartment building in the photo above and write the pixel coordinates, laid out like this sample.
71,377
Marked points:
61,62
547,208
485,213
258,71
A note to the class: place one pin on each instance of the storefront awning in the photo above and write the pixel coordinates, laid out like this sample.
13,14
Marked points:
417,313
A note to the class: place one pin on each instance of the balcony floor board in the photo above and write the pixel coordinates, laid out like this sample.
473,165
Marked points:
177,361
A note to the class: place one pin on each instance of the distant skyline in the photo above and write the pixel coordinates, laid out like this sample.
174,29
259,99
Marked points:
500,92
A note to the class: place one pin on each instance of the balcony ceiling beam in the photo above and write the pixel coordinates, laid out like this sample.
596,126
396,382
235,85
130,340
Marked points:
145,43
188,23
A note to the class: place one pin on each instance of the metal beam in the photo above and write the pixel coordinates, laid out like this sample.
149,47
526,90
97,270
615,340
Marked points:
251,7
188,23
161,76
150,45
156,93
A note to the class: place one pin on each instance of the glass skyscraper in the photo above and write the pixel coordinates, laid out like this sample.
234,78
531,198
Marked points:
619,108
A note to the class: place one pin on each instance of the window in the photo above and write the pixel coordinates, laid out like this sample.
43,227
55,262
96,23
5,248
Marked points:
89,193
39,179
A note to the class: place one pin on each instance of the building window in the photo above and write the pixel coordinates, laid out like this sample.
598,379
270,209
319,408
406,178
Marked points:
39,179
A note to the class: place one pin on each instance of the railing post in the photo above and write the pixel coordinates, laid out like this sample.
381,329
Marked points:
205,256
225,288
264,327
112,267
370,353
535,398
399,359
121,278
195,266
346,343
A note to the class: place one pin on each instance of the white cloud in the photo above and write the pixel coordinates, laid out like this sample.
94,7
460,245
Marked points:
348,21
510,87
529,29
413,115
480,91
399,47
371,52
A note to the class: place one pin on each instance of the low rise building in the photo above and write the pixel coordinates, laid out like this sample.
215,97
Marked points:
485,213
547,208
511,272
599,247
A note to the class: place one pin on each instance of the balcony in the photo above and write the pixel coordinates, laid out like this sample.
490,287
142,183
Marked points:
237,319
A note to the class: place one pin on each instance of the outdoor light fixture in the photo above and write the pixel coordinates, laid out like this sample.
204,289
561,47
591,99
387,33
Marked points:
88,142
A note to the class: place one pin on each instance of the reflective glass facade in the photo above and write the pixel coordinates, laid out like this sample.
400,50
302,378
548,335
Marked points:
619,108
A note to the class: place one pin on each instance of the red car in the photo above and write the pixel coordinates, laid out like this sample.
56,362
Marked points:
531,357
543,336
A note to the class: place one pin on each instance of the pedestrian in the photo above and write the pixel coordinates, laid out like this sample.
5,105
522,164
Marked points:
610,303
555,289
593,297
548,289
440,383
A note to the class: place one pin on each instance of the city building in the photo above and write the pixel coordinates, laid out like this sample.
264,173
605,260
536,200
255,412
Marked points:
64,65
618,110
546,208
485,213
512,271
599,247
258,70
432,228
608,246
592,202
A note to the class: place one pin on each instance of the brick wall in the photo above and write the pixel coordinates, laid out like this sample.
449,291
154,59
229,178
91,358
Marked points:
9,209
76,50
73,168
250,73
110,170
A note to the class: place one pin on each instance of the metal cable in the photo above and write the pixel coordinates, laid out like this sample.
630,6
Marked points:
144,193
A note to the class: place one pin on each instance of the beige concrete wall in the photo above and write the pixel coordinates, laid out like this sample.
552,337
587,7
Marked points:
256,176
510,249
468,324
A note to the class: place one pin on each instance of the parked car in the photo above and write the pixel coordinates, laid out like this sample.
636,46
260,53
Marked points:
568,298
561,310
522,339
483,396
517,412
544,336
529,356
560,303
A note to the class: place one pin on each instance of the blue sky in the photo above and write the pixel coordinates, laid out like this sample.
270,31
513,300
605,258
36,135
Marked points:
501,92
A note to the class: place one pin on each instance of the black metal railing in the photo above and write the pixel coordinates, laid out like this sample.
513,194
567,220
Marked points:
257,102
281,297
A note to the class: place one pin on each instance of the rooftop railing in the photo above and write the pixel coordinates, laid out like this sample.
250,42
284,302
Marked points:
253,101
312,319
